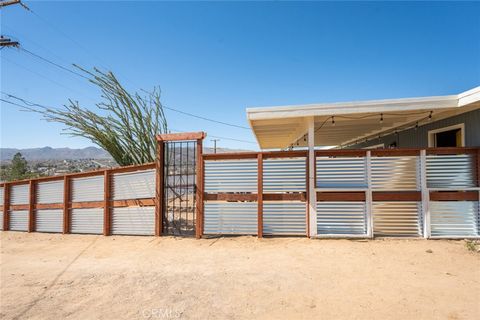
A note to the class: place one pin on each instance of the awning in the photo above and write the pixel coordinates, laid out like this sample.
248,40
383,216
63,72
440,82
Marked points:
346,122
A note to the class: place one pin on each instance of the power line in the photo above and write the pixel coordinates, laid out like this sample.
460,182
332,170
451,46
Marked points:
32,104
206,119
53,63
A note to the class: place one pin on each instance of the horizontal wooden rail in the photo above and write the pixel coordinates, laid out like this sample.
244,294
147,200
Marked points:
453,196
341,196
397,196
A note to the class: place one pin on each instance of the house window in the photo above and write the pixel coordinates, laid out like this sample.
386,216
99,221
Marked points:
452,136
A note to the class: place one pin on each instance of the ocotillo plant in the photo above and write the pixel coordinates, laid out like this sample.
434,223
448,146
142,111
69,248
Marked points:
127,129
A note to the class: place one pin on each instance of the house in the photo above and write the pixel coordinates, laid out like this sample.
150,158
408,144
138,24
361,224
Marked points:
439,121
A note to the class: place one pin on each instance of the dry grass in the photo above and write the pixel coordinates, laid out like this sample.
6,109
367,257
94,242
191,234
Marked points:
94,277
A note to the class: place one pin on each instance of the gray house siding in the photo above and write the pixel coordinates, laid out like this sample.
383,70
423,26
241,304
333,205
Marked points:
412,138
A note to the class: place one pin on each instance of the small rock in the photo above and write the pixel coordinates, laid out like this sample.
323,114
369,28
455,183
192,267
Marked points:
429,251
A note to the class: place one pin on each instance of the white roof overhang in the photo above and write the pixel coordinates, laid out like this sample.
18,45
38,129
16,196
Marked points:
280,127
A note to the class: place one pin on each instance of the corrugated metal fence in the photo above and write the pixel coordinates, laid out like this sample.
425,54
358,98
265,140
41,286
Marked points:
432,193
114,201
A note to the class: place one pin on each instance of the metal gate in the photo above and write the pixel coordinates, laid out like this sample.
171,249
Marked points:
179,188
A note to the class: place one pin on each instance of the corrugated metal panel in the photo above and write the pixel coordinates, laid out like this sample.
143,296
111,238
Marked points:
230,218
284,218
1,195
231,176
50,192
397,218
395,173
1,220
341,218
49,220
451,171
133,221
19,194
19,220
134,185
344,172
284,175
88,189
454,218
87,221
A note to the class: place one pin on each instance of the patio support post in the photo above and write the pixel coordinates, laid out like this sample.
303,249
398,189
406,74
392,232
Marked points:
312,195
425,194
368,195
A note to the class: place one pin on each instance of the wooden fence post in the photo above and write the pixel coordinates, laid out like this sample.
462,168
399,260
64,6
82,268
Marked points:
66,205
159,189
260,195
199,192
106,203
307,200
6,207
31,206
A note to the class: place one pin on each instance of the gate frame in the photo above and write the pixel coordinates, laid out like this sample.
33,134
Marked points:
160,182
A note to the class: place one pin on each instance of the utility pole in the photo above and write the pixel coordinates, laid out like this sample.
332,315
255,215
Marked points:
6,3
7,42
215,145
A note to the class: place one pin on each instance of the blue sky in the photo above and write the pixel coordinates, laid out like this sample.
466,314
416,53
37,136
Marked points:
217,58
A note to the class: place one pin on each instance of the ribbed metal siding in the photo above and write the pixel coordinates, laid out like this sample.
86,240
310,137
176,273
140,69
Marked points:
341,218
284,175
87,221
230,218
345,172
395,173
49,220
231,176
451,171
88,189
1,195
284,218
401,218
454,218
134,185
1,220
133,221
19,220
50,192
19,194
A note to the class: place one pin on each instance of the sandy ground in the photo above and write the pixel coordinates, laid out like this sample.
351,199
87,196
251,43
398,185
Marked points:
94,277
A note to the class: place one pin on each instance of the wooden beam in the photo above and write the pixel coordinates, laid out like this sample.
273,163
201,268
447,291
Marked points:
41,206
397,196
15,207
478,168
300,196
66,202
341,196
341,153
147,202
6,206
182,136
395,152
31,206
199,190
159,188
230,197
457,150
87,204
285,154
260,196
106,202
454,196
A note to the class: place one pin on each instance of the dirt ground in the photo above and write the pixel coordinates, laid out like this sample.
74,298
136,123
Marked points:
94,277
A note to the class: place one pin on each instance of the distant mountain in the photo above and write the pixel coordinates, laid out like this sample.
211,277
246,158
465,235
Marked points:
49,153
